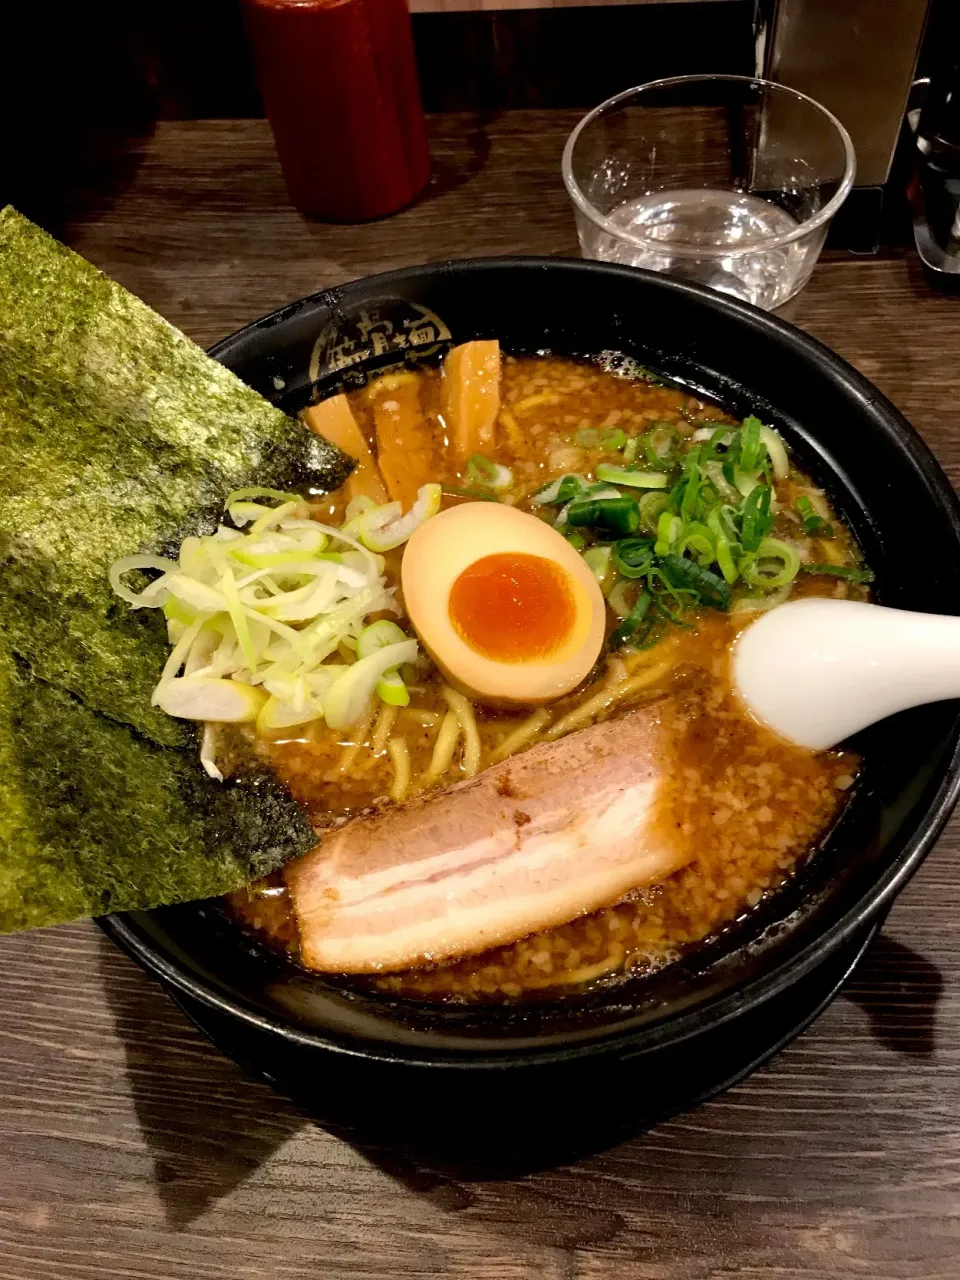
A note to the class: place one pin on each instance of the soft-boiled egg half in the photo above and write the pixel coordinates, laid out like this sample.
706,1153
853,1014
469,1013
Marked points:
507,609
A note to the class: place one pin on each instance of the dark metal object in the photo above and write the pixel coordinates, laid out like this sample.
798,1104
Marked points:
936,190
858,60
854,441
855,59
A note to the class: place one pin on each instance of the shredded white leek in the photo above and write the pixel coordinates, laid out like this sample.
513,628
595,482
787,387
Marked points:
258,615
777,451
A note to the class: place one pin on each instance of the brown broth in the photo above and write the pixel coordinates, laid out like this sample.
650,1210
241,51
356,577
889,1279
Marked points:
745,806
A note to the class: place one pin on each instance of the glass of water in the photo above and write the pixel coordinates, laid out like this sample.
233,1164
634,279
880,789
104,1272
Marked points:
724,180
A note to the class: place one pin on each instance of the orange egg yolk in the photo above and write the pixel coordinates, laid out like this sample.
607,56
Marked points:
513,607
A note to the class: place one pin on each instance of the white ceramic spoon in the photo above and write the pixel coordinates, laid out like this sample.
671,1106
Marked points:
816,671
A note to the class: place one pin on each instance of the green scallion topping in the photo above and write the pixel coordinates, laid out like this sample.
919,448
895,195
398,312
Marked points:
751,447
614,439
633,557
619,516
628,627
708,586
480,468
630,478
478,495
813,523
847,571
659,445
702,532
773,564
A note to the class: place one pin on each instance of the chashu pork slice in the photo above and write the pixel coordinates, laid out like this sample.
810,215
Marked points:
565,828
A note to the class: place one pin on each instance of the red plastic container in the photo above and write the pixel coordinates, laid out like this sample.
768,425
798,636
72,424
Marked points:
339,82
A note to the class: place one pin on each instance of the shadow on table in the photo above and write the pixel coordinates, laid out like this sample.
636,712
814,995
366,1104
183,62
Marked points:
206,1124
899,992
457,158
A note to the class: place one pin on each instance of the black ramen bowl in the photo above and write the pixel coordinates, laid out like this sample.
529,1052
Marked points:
580,1070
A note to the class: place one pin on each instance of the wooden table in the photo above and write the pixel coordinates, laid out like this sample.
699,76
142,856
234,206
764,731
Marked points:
131,1148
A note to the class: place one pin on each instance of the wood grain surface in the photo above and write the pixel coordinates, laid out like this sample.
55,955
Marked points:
129,1148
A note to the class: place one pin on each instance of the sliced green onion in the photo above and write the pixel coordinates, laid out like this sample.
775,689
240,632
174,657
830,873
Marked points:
349,696
230,599
813,523
378,635
621,598
560,490
666,592
652,506
206,698
756,520
614,439
619,516
714,475
750,444
155,592
849,572
669,528
257,491
379,531
631,449
758,568
599,561
708,586
762,602
612,474
659,445
691,492
632,557
576,540
228,586
775,447
699,539
359,506
391,689
724,546
271,518
632,621
478,495
721,435
480,468
197,595
746,481
487,474
242,513
176,611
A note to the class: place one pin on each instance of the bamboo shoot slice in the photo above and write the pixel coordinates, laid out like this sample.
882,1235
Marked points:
333,419
472,396
405,444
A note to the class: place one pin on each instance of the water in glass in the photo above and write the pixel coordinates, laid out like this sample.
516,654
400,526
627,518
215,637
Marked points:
671,221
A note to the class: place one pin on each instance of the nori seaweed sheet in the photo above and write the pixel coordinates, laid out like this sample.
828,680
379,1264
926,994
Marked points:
117,435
